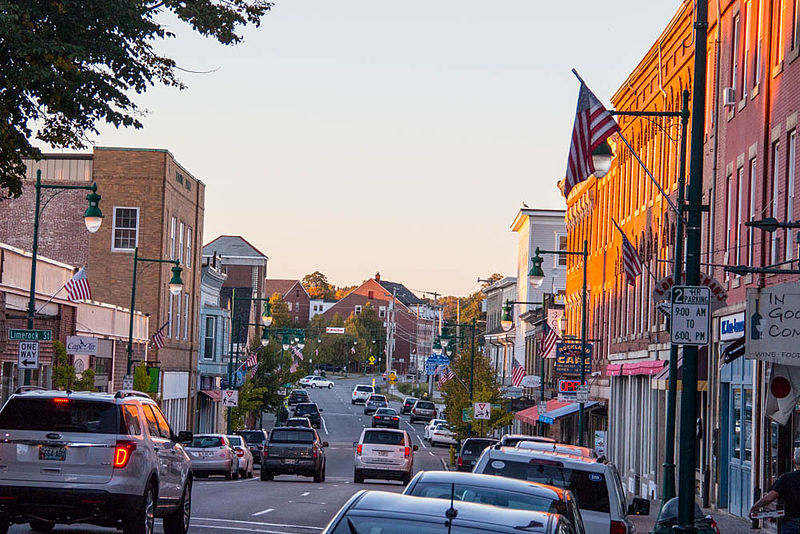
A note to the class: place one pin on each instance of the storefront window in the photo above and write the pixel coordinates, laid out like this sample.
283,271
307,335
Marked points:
748,425
737,424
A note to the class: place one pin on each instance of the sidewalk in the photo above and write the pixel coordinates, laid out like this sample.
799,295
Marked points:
728,524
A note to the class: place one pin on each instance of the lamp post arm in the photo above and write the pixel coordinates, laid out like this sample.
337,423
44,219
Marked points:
646,113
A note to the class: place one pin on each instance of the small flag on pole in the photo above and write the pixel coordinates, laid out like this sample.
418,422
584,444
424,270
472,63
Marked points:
297,353
549,341
78,286
517,374
252,372
631,262
158,338
252,361
447,374
593,125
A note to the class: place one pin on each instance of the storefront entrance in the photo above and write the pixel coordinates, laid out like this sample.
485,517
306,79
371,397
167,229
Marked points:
737,432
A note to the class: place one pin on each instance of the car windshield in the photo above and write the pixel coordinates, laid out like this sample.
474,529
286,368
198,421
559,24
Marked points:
298,421
235,441
206,442
301,393
253,437
377,398
307,409
473,447
62,415
384,437
364,388
399,525
386,411
410,400
292,436
491,496
425,405
589,488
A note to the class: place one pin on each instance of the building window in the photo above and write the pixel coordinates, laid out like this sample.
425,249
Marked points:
174,222
169,315
188,185
178,316
186,302
370,294
126,228
775,196
358,309
795,22
382,312
781,19
178,177
746,60
289,306
739,209
180,243
751,212
735,47
210,338
759,44
188,246
729,200
790,194
562,245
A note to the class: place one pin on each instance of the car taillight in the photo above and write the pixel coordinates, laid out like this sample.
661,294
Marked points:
460,461
239,453
358,449
376,417
408,452
61,400
395,418
122,453
618,527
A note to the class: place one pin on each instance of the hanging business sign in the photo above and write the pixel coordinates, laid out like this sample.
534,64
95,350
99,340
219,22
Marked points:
719,296
568,358
731,327
334,330
772,332
82,345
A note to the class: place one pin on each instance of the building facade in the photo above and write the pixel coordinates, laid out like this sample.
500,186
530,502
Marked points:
296,297
215,324
499,343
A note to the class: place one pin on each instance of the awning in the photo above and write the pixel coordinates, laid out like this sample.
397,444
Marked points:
649,367
214,394
733,350
661,380
554,410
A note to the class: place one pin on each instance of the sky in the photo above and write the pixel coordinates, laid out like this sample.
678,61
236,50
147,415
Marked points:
359,136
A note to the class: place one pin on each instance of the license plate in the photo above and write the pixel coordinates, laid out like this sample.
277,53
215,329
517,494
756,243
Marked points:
58,454
383,453
289,461
386,418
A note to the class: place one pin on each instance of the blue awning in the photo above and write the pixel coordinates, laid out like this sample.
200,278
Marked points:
569,409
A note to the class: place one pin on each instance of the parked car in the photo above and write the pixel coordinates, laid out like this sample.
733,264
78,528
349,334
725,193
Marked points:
384,454
361,393
423,411
497,491
562,448
256,441
92,458
383,512
511,440
306,380
668,518
243,453
309,410
471,450
298,395
212,454
408,403
596,485
374,402
302,422
294,451
442,435
386,417
426,433
320,382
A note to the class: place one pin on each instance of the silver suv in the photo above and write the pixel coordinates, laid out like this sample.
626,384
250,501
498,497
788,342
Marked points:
79,457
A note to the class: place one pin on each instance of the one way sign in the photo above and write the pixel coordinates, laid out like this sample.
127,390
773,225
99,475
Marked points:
28,355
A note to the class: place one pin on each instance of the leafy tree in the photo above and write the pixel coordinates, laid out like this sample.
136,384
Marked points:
141,378
250,402
86,381
67,65
64,376
280,311
318,286
342,292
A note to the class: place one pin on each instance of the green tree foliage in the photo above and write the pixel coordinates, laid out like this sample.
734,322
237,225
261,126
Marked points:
280,311
485,389
274,370
318,286
66,65
64,376
251,402
141,378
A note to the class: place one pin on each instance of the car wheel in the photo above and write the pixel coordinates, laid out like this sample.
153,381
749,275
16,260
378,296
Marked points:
358,478
178,521
266,475
405,480
145,517
324,468
235,474
313,385
318,475
42,526
352,402
228,475
330,386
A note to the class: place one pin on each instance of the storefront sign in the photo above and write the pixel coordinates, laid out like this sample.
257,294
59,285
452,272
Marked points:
773,326
82,345
719,296
600,442
731,327
568,358
554,320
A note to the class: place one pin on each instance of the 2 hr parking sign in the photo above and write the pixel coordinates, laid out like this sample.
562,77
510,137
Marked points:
690,318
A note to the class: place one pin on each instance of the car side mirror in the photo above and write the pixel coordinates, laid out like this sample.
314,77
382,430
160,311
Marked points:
184,436
325,444
415,448
639,506
355,444
321,410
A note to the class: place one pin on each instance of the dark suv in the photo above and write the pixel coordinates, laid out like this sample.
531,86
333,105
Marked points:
256,441
294,451
471,450
297,396
408,403
310,410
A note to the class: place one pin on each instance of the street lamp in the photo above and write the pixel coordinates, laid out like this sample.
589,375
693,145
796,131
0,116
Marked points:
265,337
437,347
175,283
602,157
506,320
92,217
536,274
266,316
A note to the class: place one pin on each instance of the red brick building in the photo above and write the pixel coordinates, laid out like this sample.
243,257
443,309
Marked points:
297,299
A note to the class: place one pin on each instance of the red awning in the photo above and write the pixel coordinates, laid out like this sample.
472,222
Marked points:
649,367
531,415
214,394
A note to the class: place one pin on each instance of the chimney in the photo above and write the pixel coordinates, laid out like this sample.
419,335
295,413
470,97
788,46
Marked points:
377,277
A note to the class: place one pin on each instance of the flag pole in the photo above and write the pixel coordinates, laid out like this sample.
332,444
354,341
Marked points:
644,264
51,298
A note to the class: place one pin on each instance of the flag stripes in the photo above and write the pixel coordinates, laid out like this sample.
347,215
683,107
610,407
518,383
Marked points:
549,341
158,339
78,286
517,374
631,262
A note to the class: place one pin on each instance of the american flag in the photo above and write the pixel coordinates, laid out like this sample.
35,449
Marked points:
158,338
297,353
549,340
293,367
631,261
252,372
517,374
447,374
252,361
78,286
593,125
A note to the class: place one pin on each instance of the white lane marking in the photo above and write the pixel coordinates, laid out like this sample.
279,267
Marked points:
410,425
444,464
256,523
262,512
429,452
422,442
305,494
244,529
324,425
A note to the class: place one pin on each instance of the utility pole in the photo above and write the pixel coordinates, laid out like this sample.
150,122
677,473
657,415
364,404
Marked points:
390,332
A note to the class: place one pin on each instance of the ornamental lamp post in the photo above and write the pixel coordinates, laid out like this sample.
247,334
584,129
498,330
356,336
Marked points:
266,316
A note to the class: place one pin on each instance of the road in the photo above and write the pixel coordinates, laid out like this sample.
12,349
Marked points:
291,504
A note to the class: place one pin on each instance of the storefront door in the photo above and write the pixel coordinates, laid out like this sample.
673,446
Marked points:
738,425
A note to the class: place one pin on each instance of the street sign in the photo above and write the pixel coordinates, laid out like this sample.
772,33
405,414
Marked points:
433,361
772,324
663,289
28,355
510,392
18,334
466,415
531,381
582,394
392,378
127,382
546,420
334,330
568,358
541,409
230,398
372,360
690,318
482,410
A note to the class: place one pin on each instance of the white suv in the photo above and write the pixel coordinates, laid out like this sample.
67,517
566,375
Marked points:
361,393
108,460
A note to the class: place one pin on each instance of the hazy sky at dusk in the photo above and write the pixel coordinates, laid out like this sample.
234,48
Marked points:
402,137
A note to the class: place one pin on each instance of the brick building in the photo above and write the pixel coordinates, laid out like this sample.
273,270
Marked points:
296,297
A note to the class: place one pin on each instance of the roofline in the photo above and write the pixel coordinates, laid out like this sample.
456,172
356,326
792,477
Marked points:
243,239
525,212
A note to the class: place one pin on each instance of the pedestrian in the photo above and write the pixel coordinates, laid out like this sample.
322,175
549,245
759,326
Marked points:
786,488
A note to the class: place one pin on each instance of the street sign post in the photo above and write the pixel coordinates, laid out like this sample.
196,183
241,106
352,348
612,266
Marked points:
582,394
19,334
230,398
372,360
690,316
28,355
482,410
466,415
127,382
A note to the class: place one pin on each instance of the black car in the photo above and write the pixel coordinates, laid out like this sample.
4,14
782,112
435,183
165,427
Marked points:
471,451
386,417
310,410
256,440
297,396
408,403
299,421
294,451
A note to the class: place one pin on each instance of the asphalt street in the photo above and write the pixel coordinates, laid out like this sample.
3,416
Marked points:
293,504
